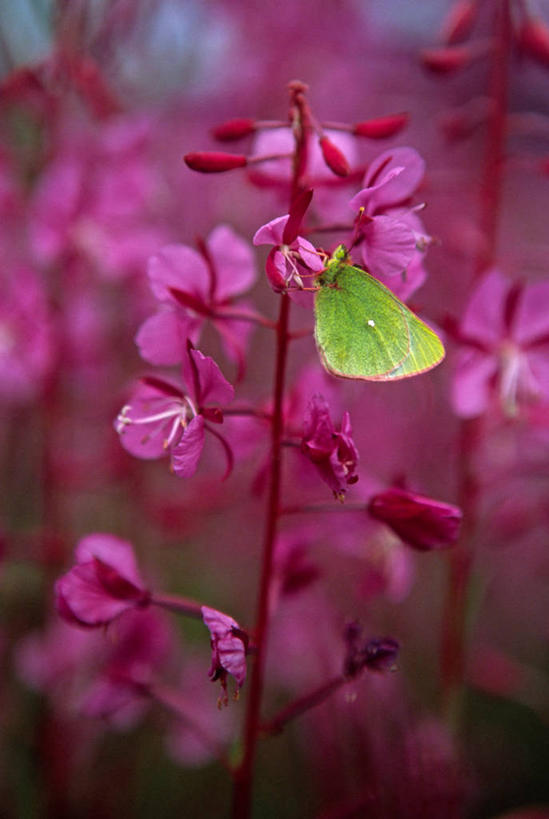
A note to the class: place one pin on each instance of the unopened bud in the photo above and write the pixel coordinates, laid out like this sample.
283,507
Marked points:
234,129
534,39
214,161
381,127
333,157
459,21
446,60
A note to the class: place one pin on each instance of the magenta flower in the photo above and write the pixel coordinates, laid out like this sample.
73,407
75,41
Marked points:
505,352
291,257
333,453
162,419
104,583
193,287
229,645
421,522
388,232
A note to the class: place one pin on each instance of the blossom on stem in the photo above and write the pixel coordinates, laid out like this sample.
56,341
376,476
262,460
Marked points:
289,260
421,522
192,287
333,453
104,583
505,347
229,645
161,418
388,232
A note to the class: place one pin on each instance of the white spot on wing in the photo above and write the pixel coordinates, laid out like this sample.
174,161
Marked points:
371,323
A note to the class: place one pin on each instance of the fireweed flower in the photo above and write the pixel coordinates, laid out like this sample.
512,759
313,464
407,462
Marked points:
162,419
104,583
193,287
389,233
333,453
505,347
421,522
287,262
229,645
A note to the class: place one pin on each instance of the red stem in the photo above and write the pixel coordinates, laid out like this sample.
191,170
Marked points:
244,774
455,605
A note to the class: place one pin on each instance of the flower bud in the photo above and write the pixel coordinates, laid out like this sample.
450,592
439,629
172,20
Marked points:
333,157
421,522
446,60
214,161
234,129
534,39
459,21
381,127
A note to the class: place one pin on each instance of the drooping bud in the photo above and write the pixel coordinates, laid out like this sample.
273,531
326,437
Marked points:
234,129
459,21
333,157
381,127
448,59
534,39
421,522
214,161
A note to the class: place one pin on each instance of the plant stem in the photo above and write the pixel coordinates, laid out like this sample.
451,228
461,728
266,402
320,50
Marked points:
244,774
455,607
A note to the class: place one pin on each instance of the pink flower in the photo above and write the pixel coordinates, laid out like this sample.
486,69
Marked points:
291,258
505,352
193,287
421,522
104,583
389,232
161,418
333,453
229,645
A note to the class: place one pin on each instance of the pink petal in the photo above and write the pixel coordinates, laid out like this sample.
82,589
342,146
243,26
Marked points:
401,187
162,337
186,454
111,550
180,267
234,262
214,387
309,254
409,281
484,316
80,591
471,386
388,246
272,232
532,316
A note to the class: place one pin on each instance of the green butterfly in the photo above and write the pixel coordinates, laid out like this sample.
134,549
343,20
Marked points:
363,331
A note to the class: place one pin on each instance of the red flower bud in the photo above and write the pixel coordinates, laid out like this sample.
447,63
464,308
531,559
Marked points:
214,161
446,60
459,21
333,157
234,129
534,39
421,522
381,127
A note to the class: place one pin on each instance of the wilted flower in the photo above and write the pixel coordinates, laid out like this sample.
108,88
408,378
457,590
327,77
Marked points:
229,645
333,453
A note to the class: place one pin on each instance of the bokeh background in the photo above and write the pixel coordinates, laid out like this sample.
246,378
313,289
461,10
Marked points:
99,102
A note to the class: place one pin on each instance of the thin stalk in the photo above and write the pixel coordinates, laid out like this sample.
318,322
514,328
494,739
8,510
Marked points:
456,603
244,773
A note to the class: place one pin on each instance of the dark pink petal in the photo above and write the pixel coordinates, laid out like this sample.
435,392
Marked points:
484,317
277,270
228,645
186,454
272,232
181,268
111,551
419,521
474,374
388,246
88,602
214,387
162,337
402,186
233,260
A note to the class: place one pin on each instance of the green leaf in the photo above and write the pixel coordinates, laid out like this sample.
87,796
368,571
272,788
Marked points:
363,331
